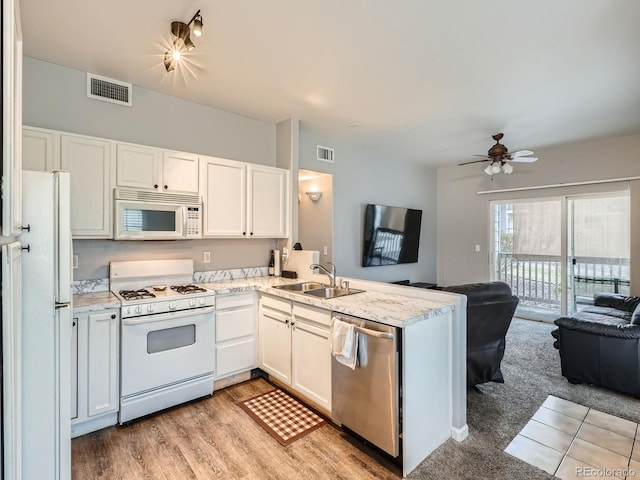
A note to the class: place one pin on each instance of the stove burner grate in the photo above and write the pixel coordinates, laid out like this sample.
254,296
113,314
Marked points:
187,289
136,294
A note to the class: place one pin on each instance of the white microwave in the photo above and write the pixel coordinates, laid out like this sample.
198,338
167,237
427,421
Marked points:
142,215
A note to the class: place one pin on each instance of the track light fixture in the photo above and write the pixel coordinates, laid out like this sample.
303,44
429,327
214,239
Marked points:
182,43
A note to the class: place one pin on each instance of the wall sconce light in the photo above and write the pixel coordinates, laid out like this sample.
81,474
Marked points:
314,196
182,43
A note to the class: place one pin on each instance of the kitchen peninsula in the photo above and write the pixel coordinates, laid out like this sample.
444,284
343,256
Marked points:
433,327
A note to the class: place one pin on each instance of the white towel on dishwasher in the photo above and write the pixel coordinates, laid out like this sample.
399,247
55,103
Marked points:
344,343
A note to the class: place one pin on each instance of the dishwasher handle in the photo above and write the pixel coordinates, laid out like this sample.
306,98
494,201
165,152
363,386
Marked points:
369,332
374,333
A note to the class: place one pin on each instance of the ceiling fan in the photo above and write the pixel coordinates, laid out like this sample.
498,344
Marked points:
499,155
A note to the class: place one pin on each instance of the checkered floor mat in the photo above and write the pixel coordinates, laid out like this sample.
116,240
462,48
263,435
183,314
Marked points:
284,418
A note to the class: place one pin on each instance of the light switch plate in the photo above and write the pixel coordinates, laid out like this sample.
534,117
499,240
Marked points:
477,248
207,257
75,262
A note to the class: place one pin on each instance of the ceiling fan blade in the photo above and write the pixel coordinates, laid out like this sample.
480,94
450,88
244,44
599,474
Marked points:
473,161
485,156
521,153
524,159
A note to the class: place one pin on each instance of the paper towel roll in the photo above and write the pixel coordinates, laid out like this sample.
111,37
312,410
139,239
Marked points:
276,263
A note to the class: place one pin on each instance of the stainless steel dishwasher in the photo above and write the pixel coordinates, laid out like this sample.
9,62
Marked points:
366,399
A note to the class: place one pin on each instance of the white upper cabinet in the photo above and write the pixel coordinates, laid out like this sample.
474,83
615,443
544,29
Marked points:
151,168
89,162
267,212
138,167
40,149
243,200
224,191
180,172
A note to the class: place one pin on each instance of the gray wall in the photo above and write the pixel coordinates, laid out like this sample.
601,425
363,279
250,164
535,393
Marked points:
362,176
55,97
463,215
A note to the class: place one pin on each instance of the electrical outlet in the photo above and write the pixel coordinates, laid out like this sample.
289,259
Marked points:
324,251
207,257
75,262
477,248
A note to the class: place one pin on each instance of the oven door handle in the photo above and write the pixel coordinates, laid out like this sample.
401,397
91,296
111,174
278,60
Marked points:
167,316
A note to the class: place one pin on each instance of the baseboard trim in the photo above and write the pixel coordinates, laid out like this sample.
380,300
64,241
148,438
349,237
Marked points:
459,434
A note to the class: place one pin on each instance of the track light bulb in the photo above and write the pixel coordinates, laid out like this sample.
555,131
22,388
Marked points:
197,27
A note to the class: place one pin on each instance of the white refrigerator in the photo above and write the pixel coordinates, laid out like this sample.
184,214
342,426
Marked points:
46,326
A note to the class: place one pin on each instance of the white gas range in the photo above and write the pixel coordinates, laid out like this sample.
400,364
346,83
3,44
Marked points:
167,352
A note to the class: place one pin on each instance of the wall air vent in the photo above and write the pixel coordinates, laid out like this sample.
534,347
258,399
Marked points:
325,154
109,90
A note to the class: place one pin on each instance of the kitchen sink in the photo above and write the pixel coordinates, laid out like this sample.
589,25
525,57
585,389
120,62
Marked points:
317,289
332,292
300,287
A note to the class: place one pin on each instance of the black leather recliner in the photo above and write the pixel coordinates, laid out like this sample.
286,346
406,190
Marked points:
600,344
490,309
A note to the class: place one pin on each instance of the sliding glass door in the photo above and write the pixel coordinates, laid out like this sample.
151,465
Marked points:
527,253
555,253
598,232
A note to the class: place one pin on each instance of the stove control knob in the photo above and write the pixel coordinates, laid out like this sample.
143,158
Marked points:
172,305
192,303
149,308
202,301
139,309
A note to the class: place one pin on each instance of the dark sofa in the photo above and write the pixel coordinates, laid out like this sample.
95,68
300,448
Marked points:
490,309
600,344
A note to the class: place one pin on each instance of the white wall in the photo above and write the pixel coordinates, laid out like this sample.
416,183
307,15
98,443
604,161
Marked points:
363,176
463,215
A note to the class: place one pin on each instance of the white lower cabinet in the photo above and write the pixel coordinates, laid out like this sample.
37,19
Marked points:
236,346
295,347
94,374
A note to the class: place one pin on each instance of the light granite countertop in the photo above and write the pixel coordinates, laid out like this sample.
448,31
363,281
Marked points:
387,308
94,301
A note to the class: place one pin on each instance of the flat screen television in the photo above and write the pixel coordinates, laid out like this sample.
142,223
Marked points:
391,235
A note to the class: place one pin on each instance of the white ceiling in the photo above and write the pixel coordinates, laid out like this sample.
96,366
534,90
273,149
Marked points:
423,80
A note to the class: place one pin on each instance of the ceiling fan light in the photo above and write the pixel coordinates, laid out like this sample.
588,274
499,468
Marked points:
507,168
495,167
488,170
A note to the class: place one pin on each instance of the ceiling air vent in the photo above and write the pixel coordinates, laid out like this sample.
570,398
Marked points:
109,90
325,154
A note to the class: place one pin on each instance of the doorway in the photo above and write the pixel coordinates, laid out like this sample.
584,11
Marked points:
556,253
315,212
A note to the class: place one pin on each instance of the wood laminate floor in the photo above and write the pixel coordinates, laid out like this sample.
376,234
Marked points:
214,438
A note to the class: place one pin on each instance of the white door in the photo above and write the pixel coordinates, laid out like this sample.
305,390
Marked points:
89,162
224,193
102,361
179,172
267,199
11,359
275,344
311,359
138,167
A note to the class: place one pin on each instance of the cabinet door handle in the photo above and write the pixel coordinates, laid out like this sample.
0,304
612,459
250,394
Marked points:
155,186
113,316
251,233
165,187
244,233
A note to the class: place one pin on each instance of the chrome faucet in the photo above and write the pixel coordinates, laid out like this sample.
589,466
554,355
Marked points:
330,273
